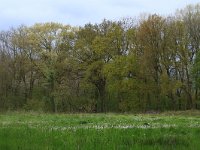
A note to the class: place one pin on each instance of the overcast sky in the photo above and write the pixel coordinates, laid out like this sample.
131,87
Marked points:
80,12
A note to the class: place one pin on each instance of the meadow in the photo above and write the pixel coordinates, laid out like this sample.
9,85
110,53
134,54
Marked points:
35,131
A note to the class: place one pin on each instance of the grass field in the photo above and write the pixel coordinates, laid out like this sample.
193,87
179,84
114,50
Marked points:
35,131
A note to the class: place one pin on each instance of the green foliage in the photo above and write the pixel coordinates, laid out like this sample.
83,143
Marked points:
120,66
122,78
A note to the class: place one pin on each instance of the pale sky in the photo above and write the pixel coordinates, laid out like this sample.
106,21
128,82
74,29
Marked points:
79,12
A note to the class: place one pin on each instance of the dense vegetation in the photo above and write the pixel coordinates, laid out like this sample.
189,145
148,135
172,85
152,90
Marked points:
150,63
99,131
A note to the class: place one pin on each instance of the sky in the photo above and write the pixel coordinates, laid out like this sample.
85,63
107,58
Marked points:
79,12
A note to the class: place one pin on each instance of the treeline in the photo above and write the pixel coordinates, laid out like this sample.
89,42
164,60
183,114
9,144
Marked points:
150,63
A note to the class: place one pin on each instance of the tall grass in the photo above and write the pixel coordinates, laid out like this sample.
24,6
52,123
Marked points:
99,131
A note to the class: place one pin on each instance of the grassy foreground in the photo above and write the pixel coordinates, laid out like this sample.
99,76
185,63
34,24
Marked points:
34,131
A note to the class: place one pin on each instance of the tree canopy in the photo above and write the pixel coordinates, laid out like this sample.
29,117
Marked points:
115,66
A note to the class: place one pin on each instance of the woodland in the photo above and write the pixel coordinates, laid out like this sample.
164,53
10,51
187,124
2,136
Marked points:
140,64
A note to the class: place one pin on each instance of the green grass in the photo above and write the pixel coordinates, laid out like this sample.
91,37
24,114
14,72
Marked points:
34,131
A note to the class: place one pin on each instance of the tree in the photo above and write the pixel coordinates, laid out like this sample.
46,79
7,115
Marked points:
151,37
196,78
51,56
